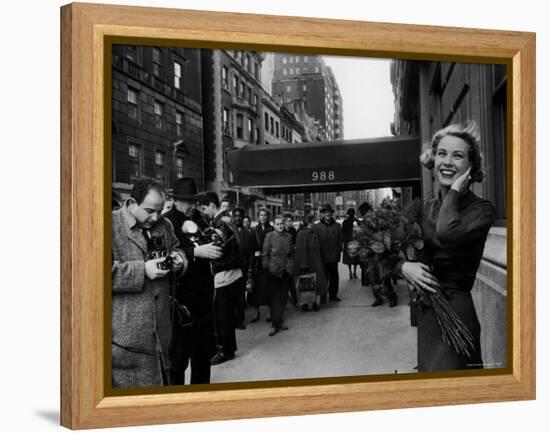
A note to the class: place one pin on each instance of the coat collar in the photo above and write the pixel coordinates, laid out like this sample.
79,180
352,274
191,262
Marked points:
133,230
331,221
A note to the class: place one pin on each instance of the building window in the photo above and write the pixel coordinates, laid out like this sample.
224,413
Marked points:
297,59
255,101
134,159
305,59
235,84
284,60
284,71
179,167
157,64
133,110
291,71
277,129
272,123
133,53
159,109
159,166
250,130
239,126
226,129
177,75
225,78
257,135
291,59
241,89
179,123
256,71
266,121
247,62
288,89
316,69
304,88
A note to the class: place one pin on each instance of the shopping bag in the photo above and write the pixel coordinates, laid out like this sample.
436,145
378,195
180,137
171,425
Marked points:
306,288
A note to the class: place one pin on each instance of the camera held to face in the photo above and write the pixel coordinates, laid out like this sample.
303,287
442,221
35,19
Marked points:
206,236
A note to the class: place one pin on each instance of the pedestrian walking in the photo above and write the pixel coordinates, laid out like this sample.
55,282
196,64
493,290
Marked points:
347,236
260,293
308,260
277,260
248,247
330,238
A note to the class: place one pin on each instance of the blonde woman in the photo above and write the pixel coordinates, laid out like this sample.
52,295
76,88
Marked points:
455,224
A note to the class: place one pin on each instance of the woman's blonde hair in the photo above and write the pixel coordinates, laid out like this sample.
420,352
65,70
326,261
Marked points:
468,132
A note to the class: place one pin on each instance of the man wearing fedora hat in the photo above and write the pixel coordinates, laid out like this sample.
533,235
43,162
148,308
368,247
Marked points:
330,239
193,337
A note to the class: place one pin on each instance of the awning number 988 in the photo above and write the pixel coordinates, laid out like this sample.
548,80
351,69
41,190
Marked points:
317,176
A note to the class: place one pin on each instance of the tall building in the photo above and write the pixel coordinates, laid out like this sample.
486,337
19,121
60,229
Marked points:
234,113
157,125
431,95
306,81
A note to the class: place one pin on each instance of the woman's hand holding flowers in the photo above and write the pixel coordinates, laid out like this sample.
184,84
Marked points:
419,275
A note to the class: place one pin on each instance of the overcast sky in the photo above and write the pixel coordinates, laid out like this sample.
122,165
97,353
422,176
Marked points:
366,90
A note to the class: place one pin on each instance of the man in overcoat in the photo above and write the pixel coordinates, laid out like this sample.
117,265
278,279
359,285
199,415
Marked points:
141,287
248,248
194,336
330,238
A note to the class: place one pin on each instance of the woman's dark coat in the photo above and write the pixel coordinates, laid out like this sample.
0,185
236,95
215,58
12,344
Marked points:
308,258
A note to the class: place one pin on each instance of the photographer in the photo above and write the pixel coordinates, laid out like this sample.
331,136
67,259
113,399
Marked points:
144,256
193,336
228,277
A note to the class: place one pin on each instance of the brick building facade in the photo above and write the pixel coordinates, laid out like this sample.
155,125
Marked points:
156,115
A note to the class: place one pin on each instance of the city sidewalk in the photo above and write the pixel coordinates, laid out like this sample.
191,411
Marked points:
347,338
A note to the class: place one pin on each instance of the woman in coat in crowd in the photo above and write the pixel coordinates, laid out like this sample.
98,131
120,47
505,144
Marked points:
308,259
260,294
347,236
455,224
277,260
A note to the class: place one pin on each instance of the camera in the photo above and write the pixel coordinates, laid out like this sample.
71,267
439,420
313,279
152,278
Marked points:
159,251
206,236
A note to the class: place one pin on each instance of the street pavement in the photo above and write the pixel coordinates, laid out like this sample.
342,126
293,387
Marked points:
347,338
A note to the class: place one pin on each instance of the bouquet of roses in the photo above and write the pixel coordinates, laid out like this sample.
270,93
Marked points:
388,235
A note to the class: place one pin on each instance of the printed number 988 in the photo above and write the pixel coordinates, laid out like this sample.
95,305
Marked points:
322,175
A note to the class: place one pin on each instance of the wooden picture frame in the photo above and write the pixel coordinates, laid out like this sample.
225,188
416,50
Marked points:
84,259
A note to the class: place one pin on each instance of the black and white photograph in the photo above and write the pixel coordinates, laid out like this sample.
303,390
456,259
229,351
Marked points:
280,216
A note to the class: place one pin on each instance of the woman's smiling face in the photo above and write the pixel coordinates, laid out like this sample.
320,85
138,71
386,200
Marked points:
451,159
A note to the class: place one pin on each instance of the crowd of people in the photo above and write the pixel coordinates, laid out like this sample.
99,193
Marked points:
183,278
193,269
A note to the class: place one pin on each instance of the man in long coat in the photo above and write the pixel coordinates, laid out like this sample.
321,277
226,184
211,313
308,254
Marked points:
330,238
141,308
194,337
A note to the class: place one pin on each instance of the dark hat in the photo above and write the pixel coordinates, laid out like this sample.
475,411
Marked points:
185,189
208,197
327,208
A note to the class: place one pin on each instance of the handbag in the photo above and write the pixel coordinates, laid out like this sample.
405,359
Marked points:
306,288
